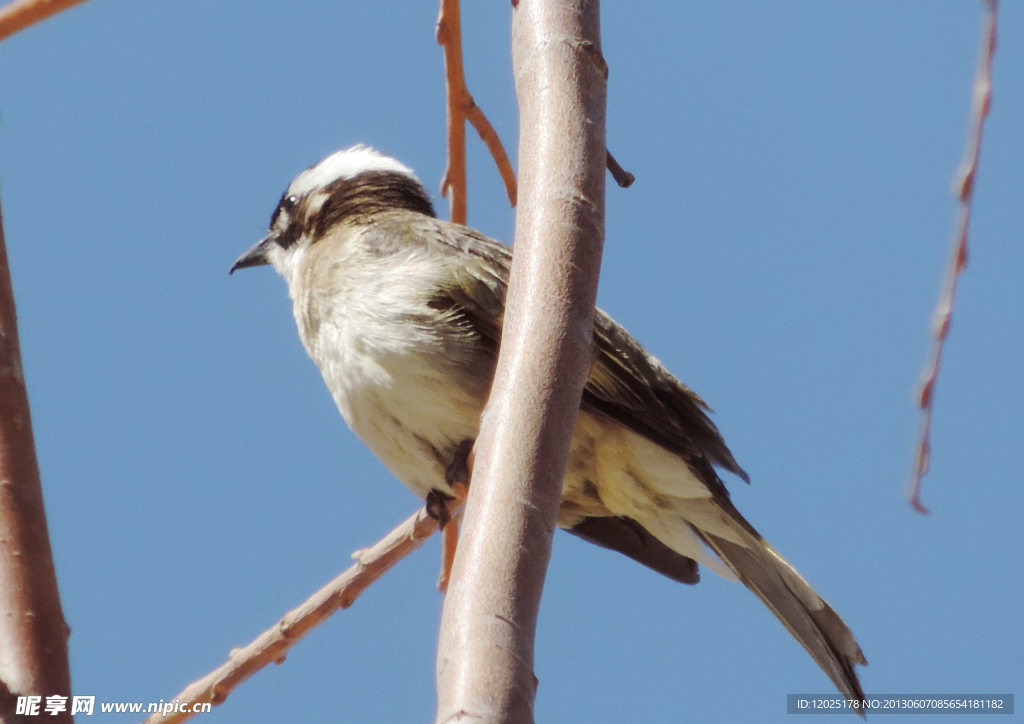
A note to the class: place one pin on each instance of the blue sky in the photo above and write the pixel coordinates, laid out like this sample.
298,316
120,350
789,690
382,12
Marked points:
781,252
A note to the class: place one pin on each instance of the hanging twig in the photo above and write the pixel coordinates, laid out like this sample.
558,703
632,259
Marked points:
963,187
461,108
19,14
273,645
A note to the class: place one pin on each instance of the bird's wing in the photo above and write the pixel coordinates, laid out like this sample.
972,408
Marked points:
632,540
626,384
631,387
479,280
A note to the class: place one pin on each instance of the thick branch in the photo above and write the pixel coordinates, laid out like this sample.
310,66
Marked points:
20,14
485,653
33,634
963,186
461,108
273,645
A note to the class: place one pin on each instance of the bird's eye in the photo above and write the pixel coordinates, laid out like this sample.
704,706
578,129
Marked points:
285,205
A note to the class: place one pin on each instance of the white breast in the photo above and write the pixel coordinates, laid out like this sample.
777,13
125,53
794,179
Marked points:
397,372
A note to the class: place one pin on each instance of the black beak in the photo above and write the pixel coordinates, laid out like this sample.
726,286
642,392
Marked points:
256,256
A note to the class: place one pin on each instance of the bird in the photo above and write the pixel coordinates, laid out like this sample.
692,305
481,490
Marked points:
402,313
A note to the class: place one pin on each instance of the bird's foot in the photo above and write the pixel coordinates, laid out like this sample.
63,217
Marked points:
438,507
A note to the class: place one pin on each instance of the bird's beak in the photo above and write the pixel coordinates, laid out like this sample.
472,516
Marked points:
256,256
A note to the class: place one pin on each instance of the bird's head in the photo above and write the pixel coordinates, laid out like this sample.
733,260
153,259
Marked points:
348,186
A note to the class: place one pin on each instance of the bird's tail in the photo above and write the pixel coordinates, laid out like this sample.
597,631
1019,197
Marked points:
808,617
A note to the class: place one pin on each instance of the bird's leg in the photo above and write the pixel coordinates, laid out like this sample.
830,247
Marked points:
457,475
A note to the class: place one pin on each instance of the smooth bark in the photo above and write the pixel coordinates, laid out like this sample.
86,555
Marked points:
485,652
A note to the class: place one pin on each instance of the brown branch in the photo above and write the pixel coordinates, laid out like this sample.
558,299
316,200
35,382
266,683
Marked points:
461,108
622,177
485,651
490,137
964,189
449,35
449,544
20,14
273,645
33,633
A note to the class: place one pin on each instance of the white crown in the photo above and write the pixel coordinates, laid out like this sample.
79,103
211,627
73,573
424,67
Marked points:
345,164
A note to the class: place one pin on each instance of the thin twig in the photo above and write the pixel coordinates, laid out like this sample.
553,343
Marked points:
461,108
449,544
273,644
963,187
622,177
489,136
20,14
449,35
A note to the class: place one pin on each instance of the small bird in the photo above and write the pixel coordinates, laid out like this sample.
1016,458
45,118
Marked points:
402,312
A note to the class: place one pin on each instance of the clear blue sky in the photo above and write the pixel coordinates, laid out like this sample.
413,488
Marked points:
781,252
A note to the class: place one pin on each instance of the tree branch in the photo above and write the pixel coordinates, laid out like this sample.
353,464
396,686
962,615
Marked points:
963,186
461,107
490,137
622,177
273,644
485,652
20,14
33,633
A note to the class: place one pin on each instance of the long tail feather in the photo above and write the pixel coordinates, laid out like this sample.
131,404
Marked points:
808,617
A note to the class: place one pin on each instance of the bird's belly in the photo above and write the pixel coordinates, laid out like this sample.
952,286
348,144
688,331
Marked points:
413,416
414,410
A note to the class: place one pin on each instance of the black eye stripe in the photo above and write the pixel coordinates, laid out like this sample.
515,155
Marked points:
288,237
290,234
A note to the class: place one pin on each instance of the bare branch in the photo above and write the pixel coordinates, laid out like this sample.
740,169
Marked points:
485,652
449,35
449,544
489,136
963,187
273,645
20,14
33,633
460,108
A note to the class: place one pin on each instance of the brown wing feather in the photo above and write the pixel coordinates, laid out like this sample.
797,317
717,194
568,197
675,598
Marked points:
631,539
626,384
